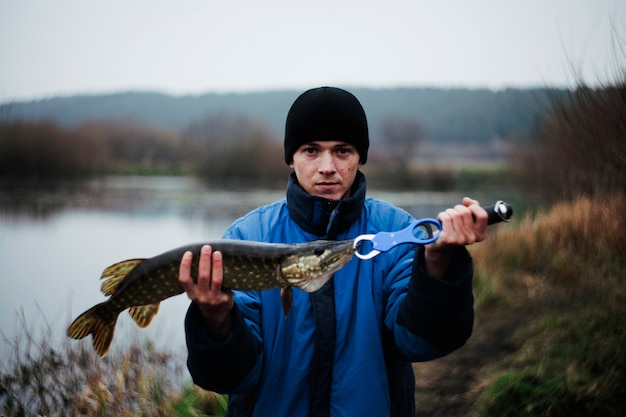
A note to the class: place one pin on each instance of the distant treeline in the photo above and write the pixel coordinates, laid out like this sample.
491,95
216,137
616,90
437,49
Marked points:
578,147
216,148
44,151
457,115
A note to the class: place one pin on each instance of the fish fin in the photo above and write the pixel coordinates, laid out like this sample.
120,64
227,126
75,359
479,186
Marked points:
143,315
314,284
90,322
115,274
286,299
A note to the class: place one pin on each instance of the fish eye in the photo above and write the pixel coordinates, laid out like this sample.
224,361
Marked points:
318,251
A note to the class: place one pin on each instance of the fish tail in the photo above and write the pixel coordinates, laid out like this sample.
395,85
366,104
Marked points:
90,322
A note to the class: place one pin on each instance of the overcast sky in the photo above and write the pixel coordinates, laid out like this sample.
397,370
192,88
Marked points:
63,47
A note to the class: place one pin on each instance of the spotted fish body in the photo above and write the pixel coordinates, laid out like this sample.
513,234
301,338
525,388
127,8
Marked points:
141,284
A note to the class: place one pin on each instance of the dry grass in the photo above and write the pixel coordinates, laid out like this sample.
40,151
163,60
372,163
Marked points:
573,247
38,378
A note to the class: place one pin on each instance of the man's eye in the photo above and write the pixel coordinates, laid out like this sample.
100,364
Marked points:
310,150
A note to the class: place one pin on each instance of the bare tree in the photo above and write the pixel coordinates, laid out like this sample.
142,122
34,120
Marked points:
229,148
581,146
401,138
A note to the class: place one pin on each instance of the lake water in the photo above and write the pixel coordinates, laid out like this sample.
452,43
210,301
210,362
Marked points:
55,242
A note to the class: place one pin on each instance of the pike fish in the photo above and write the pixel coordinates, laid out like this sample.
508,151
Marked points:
141,284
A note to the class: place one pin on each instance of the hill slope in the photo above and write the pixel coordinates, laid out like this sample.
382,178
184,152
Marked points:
447,115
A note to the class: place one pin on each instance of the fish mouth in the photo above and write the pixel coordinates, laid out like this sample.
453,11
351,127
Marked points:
310,271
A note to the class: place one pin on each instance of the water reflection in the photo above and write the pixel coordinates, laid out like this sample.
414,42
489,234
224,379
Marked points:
56,240
144,195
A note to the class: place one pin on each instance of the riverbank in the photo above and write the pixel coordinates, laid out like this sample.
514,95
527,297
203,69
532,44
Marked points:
550,322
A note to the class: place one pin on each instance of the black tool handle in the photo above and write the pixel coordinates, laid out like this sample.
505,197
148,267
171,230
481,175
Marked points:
499,212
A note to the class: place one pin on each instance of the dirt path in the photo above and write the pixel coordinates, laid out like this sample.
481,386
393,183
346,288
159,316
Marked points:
449,386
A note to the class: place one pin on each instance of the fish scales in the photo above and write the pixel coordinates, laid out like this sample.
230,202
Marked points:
247,266
141,284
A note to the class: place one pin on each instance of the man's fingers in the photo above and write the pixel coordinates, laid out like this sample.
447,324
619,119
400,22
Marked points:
456,231
479,217
469,201
184,270
217,272
463,216
207,290
204,268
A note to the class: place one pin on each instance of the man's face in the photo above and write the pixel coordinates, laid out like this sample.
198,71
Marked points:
326,168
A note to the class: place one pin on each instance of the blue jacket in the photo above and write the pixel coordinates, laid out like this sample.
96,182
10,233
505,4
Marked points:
349,354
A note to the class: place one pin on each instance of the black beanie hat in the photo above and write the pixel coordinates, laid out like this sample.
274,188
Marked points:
326,113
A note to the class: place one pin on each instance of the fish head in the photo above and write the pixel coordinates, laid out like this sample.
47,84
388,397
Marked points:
312,264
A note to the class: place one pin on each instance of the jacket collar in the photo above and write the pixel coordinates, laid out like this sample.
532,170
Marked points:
322,217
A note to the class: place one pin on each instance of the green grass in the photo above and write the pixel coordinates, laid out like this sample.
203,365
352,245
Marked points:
568,364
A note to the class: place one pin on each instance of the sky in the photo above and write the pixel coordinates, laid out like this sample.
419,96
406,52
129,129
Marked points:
54,48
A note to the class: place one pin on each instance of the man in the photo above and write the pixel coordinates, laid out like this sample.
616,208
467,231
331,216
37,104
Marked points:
345,350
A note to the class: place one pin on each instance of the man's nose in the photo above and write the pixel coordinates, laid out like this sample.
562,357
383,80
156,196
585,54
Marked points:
327,163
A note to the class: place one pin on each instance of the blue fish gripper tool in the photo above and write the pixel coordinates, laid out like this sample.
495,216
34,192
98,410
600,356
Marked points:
420,232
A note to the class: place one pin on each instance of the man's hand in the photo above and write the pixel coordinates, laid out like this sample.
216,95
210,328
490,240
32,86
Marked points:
462,225
214,303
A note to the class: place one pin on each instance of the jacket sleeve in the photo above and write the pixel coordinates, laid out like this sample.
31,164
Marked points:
436,316
222,366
